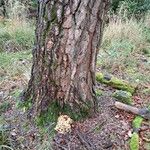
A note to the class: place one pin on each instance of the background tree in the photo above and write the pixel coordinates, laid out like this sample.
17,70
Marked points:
68,37
136,8
3,11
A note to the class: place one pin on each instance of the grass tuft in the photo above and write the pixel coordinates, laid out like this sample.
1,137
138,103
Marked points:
16,36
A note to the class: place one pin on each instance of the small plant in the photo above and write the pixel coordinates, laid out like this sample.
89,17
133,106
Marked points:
4,138
16,36
99,92
4,106
134,142
46,143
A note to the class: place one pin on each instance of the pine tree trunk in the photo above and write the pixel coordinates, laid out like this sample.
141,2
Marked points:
68,38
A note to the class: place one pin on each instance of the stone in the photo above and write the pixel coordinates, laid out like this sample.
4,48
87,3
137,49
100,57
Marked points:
123,96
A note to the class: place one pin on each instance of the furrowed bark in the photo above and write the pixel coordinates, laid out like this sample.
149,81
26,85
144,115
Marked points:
68,38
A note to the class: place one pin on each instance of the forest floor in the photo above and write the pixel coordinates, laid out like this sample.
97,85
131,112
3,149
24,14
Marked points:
109,128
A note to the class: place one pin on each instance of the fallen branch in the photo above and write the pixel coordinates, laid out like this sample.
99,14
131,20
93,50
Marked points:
143,112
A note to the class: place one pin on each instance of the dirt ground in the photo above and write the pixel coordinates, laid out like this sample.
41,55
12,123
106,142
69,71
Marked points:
109,128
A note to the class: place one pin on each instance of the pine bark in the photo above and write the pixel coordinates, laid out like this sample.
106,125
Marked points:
68,37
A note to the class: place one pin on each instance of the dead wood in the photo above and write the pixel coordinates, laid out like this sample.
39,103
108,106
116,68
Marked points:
143,112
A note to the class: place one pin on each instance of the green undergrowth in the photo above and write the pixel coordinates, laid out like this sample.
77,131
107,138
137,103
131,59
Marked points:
24,105
54,110
134,142
8,59
15,64
146,91
4,106
125,50
46,142
16,35
4,136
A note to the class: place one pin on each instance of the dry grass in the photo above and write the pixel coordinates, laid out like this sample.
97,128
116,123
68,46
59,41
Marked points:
16,10
14,69
16,32
123,29
125,48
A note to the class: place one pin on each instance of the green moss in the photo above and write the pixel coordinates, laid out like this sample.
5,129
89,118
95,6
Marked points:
48,117
55,110
54,14
99,76
134,142
99,92
123,96
115,82
25,105
137,122
146,50
98,63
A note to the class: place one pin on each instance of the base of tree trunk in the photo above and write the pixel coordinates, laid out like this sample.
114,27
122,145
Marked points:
54,109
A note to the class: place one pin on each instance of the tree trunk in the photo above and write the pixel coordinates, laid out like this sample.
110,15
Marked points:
68,38
3,4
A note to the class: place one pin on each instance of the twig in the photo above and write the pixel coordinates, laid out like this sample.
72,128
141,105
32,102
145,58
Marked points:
99,125
5,146
142,129
85,142
64,148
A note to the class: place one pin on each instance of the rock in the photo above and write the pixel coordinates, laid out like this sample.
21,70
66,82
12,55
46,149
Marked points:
123,96
13,132
115,82
117,116
129,133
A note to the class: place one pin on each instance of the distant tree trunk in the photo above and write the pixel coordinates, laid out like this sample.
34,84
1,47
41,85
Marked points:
3,4
68,38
